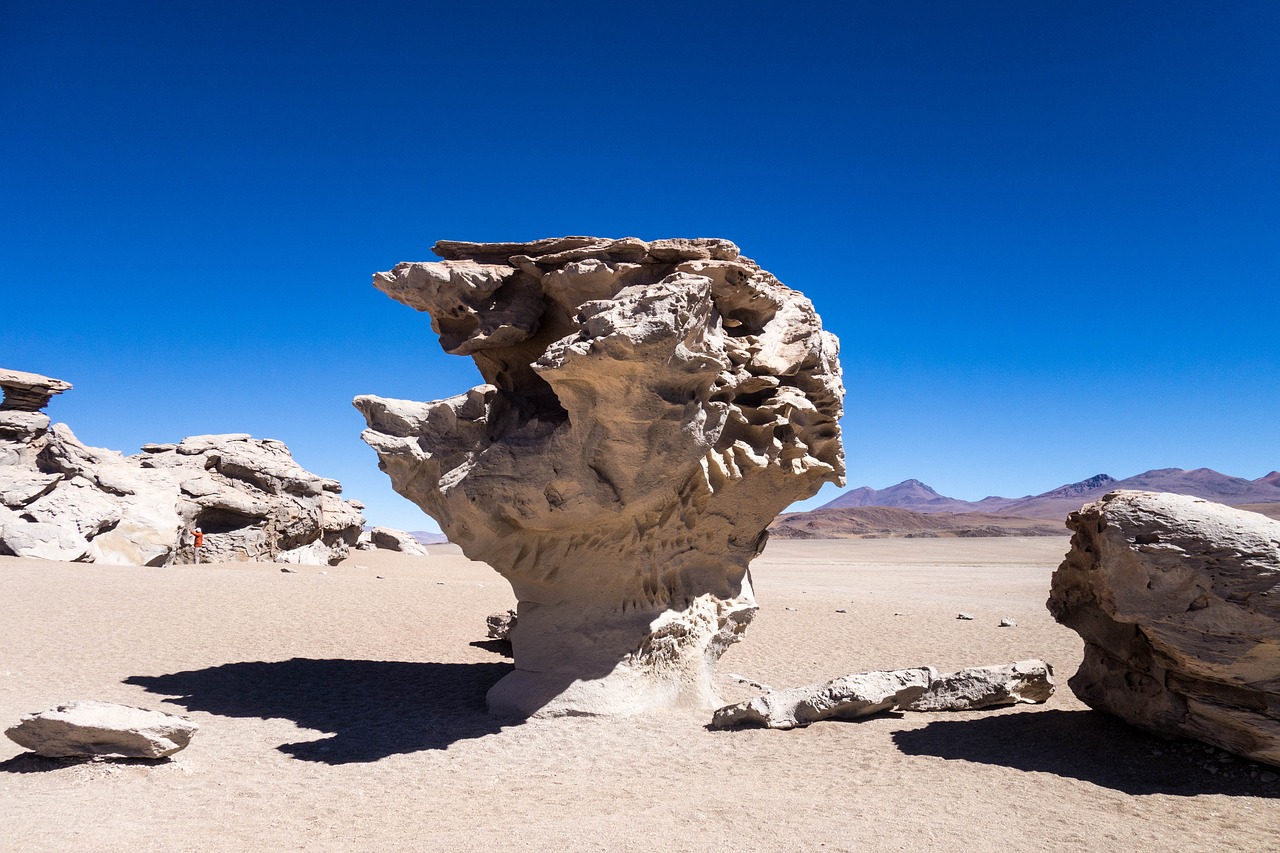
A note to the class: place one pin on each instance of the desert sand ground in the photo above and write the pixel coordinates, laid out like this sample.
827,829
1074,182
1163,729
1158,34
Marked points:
342,709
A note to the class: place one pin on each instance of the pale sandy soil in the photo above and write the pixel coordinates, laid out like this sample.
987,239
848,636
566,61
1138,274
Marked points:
342,711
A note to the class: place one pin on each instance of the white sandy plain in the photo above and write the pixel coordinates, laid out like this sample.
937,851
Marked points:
340,710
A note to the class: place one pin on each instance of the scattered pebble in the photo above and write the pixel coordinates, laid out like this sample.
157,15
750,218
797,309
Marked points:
1267,776
965,616
841,610
380,577
1006,622
288,570
789,608
324,573
899,614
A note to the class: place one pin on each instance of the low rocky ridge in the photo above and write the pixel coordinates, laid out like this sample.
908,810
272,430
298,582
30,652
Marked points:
879,522
62,500
1056,503
1178,602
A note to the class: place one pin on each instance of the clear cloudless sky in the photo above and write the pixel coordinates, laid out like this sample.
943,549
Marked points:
1046,233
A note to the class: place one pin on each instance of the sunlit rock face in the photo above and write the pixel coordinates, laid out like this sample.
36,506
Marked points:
63,500
648,408
1178,602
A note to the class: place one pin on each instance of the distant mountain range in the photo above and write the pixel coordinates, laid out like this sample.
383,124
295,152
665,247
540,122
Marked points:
1056,503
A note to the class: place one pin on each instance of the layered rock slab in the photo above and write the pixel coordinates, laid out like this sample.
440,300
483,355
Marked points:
1178,602
92,729
648,408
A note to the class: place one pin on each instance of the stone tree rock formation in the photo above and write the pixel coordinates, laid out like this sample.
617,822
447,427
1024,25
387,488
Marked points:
648,408
62,500
1178,602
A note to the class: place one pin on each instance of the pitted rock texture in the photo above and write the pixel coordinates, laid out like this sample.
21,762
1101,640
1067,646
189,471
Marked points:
62,500
850,697
1178,602
648,408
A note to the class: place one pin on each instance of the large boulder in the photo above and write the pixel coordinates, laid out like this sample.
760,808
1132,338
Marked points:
1178,602
648,408
91,729
64,500
390,539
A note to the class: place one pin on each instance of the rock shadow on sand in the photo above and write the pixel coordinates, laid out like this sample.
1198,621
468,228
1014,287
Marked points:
1092,747
372,708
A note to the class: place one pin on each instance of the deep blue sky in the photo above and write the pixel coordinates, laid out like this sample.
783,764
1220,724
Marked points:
1047,234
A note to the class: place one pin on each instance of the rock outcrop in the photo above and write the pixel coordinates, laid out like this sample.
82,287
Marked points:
1178,602
390,539
90,729
979,687
62,500
28,392
648,408
849,697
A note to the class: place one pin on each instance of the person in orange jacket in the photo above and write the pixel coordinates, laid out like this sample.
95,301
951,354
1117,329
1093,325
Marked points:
197,542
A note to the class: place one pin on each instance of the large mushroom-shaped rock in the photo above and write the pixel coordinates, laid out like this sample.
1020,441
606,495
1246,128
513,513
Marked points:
1178,602
648,408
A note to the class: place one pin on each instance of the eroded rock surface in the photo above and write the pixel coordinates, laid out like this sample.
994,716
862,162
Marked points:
648,408
28,392
91,729
62,500
1178,602
849,697
978,687
390,539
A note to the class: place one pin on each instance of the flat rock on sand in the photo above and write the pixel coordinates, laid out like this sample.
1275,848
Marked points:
90,729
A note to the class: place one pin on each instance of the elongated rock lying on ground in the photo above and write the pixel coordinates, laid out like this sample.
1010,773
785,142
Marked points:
975,688
849,697
648,408
90,729
1178,602
62,500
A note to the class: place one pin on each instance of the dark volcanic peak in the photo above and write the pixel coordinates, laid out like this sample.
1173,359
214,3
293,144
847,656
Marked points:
1272,479
1084,487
